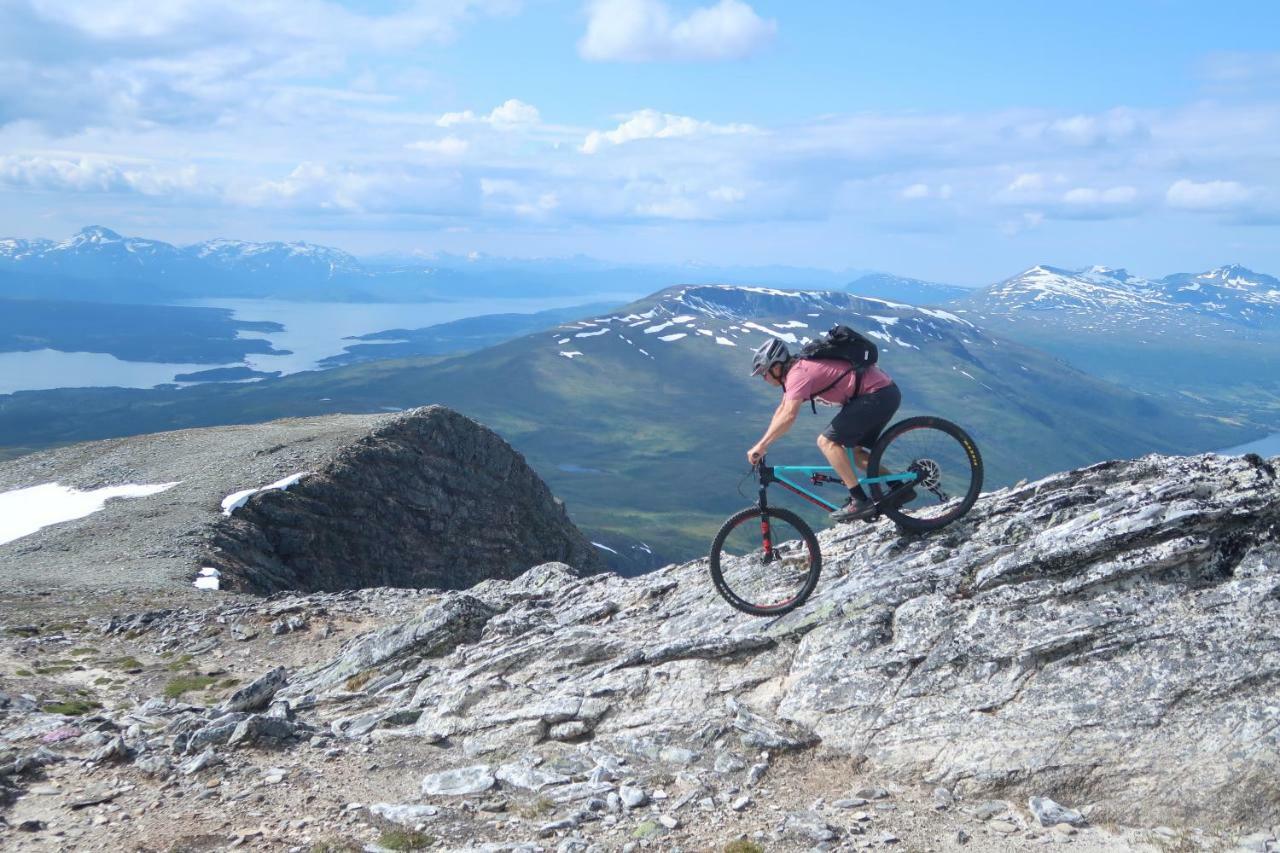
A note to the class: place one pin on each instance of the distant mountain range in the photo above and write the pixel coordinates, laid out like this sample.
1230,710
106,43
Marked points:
98,264
1101,297
640,417
1212,338
911,290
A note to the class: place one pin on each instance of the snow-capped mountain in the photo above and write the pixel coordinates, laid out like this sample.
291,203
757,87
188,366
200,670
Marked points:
243,257
1232,291
741,316
1102,298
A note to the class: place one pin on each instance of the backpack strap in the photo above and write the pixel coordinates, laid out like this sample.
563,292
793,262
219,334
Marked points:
814,406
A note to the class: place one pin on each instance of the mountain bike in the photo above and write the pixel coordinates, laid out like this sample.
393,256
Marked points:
923,473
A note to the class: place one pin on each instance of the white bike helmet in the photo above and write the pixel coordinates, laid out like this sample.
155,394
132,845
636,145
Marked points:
771,352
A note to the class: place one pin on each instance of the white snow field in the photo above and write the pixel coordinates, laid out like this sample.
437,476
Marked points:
24,511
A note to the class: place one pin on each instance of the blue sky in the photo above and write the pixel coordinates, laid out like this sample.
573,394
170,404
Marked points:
957,142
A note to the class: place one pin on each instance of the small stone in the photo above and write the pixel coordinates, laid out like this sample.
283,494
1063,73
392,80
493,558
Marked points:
1048,812
942,799
960,837
849,803
740,804
632,798
873,794
32,826
756,773
888,838
990,809
668,821
1003,826
459,781
1255,842
1065,829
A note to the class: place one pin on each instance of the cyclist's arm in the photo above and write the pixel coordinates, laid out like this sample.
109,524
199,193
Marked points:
783,417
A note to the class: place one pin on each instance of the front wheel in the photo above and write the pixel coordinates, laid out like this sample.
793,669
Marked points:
765,564
947,465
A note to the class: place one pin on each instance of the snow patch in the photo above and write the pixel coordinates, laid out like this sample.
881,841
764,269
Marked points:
674,337
591,334
604,547
235,500
24,511
883,321
208,578
725,342
653,330
570,354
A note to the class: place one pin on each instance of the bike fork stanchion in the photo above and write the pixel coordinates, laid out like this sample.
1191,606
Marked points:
764,511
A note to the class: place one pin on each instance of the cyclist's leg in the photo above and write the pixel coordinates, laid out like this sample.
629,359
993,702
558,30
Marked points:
857,425
839,459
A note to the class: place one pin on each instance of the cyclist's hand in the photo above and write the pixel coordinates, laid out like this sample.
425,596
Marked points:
755,454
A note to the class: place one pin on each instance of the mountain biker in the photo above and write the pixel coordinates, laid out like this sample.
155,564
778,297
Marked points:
857,425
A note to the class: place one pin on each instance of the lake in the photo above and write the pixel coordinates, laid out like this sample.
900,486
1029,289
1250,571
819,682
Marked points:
312,331
1266,447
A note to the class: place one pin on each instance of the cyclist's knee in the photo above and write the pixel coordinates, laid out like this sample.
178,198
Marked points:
824,442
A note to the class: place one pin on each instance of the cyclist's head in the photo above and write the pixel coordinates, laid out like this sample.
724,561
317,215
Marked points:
772,352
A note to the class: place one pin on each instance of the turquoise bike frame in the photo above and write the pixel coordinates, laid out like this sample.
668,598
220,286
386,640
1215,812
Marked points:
817,475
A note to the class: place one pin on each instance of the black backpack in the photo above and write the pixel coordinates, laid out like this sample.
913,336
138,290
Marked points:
842,344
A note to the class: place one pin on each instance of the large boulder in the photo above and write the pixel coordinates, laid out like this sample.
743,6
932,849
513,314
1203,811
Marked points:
420,498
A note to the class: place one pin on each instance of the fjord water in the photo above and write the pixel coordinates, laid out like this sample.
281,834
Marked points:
312,331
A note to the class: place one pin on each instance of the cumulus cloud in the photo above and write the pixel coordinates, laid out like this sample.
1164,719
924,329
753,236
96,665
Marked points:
651,124
1208,195
1091,196
510,114
921,191
70,65
449,146
646,31
94,175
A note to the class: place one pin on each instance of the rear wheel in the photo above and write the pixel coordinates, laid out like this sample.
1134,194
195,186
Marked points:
947,465
765,564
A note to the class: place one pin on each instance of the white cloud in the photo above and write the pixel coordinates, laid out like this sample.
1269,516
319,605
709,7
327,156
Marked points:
646,31
1209,195
1028,182
921,190
729,195
1094,197
94,174
449,146
651,124
509,114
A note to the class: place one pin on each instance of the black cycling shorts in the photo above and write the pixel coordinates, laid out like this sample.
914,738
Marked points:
862,419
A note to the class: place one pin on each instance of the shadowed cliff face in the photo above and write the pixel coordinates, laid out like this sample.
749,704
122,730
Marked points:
430,499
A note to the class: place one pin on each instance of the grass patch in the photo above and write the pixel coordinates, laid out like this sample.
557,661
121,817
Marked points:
82,651
102,679
336,845
186,683
23,630
72,707
228,682
357,681
537,808
126,663
57,667
401,839
742,845
25,673
179,664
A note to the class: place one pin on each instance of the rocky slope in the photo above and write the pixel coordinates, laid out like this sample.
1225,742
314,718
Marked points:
1105,639
424,498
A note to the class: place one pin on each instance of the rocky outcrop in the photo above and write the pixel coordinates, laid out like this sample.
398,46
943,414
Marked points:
1108,636
429,499
420,498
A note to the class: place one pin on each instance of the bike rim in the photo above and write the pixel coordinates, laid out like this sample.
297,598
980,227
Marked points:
948,472
766,578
